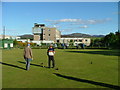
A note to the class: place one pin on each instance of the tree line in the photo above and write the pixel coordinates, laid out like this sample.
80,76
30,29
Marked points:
111,41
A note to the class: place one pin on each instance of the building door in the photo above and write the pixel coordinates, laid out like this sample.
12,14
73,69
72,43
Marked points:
8,45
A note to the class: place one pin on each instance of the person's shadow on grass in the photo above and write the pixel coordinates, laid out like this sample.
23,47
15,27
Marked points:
88,81
39,65
12,65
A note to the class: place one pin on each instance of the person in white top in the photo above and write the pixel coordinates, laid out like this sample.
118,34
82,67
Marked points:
51,53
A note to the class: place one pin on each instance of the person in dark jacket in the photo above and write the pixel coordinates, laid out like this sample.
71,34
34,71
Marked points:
50,53
28,56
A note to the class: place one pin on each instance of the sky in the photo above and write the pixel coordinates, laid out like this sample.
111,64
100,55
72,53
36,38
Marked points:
60,0
94,18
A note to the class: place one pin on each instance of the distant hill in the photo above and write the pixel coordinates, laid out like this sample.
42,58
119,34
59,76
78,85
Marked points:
76,35
27,36
73,35
80,35
98,35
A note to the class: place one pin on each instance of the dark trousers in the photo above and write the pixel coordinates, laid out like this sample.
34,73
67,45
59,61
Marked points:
51,58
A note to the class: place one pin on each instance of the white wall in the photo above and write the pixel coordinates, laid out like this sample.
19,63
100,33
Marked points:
86,41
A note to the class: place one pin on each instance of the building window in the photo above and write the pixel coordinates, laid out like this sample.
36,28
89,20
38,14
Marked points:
86,40
57,41
49,34
75,40
80,40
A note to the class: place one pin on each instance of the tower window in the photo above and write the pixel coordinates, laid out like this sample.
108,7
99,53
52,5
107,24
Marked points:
58,41
80,40
75,40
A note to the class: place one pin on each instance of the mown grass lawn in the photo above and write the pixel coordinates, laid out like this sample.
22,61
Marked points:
77,69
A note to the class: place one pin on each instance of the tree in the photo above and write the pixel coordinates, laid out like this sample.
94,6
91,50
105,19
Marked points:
112,40
117,38
15,42
92,43
97,42
71,42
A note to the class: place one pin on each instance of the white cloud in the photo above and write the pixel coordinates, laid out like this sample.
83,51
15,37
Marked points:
91,21
85,26
53,26
64,20
116,13
70,20
73,23
80,21
66,30
97,21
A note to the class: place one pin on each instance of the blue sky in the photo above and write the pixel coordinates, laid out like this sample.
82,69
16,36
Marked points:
60,0
69,17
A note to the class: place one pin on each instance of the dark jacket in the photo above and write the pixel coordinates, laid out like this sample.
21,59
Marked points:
50,52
